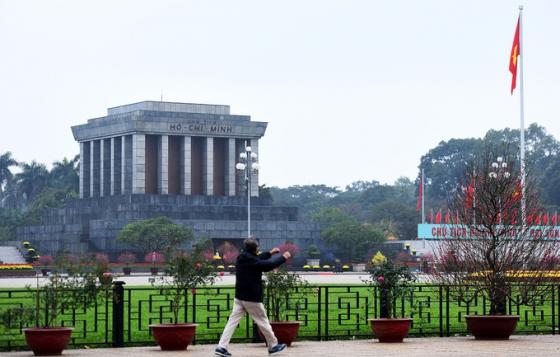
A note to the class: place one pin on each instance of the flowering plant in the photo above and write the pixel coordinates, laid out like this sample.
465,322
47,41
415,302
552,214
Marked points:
45,260
184,272
126,258
285,292
154,258
392,281
16,267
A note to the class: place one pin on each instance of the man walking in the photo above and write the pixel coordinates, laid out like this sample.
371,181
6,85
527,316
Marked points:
249,292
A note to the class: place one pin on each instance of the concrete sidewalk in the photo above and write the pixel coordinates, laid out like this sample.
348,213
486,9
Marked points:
541,346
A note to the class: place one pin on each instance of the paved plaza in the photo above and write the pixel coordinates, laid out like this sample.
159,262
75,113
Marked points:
542,345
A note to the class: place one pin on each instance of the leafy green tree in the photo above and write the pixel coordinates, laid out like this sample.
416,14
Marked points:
399,218
10,220
158,234
308,198
65,175
550,184
32,179
352,239
445,165
328,216
6,162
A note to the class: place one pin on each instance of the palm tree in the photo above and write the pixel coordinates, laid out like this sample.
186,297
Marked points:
6,161
64,174
32,179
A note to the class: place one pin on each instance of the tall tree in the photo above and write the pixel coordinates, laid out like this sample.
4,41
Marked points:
32,179
6,162
445,164
399,218
64,174
159,234
352,239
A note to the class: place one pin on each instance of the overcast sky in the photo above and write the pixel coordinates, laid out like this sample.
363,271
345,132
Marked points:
352,90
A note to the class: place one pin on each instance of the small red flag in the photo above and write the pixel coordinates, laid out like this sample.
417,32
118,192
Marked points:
515,50
554,218
545,219
447,218
420,193
469,198
538,220
438,217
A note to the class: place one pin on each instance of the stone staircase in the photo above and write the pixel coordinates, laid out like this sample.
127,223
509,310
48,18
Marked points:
11,255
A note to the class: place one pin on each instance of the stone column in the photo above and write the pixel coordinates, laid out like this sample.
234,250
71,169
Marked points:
208,167
138,163
255,175
101,167
231,160
186,166
123,164
163,165
112,169
105,167
95,164
82,165
91,172
116,165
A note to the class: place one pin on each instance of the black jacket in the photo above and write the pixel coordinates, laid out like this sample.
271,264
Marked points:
248,274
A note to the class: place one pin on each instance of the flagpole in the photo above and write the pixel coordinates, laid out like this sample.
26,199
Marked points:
522,118
422,180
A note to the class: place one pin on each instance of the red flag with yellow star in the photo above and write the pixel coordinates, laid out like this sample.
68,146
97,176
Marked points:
515,49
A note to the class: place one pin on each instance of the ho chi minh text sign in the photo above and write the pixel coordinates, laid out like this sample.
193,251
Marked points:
453,231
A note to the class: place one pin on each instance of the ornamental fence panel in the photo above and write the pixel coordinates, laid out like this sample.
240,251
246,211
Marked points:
325,312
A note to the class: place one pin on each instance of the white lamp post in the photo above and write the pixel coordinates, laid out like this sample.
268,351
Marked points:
248,164
498,171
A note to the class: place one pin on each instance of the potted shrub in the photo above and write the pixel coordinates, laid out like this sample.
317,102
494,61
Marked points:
155,259
183,273
392,283
101,267
127,259
284,291
229,253
69,286
45,262
294,250
497,254
313,255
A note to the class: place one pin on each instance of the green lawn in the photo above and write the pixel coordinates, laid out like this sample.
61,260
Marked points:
328,311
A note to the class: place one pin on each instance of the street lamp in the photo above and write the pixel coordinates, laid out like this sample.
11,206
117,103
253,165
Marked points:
248,164
498,170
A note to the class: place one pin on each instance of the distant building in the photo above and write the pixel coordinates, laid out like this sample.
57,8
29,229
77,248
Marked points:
159,158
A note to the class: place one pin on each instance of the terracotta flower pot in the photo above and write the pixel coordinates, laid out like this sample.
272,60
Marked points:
390,330
491,327
285,331
47,341
173,337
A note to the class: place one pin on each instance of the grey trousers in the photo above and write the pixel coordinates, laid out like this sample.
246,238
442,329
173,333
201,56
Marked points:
257,313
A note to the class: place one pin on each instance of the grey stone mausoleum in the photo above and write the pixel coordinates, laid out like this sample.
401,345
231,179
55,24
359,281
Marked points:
174,159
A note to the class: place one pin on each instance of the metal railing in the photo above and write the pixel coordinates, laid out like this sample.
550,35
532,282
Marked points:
327,313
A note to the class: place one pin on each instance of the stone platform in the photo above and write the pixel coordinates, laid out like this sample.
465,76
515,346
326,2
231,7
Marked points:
92,224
